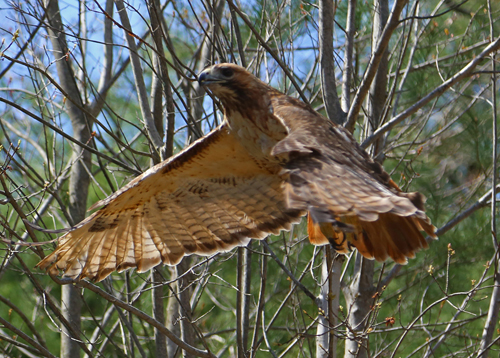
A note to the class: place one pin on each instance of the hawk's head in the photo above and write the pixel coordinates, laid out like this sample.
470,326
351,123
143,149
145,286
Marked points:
236,88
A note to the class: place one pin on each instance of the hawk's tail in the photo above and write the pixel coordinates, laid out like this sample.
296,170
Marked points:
391,235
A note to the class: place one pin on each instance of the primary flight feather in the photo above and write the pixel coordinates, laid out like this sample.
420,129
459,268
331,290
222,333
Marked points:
273,160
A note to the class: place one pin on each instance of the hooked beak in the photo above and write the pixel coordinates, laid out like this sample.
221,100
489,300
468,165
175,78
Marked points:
206,78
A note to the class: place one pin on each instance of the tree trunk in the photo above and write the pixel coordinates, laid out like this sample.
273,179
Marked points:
79,177
158,313
378,88
358,297
331,270
492,319
327,62
184,284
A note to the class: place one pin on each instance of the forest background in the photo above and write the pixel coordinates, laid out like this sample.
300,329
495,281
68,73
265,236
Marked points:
415,81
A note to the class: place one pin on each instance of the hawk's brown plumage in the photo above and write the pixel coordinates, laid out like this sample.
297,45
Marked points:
271,161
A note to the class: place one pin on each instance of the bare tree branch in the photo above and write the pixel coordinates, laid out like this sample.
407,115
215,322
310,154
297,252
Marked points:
465,72
381,46
348,59
492,318
264,44
143,316
327,62
149,123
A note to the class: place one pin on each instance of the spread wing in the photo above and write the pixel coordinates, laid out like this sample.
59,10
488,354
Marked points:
210,197
351,200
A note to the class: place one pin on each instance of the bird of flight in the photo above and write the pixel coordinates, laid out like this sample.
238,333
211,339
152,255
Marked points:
272,161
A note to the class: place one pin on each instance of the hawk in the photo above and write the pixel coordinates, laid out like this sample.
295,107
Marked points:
272,161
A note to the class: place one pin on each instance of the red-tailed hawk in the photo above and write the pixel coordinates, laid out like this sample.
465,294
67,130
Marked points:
272,160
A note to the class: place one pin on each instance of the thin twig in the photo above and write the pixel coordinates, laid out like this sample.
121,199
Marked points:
141,315
371,70
290,274
463,73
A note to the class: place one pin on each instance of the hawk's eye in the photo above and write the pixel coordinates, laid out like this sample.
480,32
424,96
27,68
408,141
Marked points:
227,72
